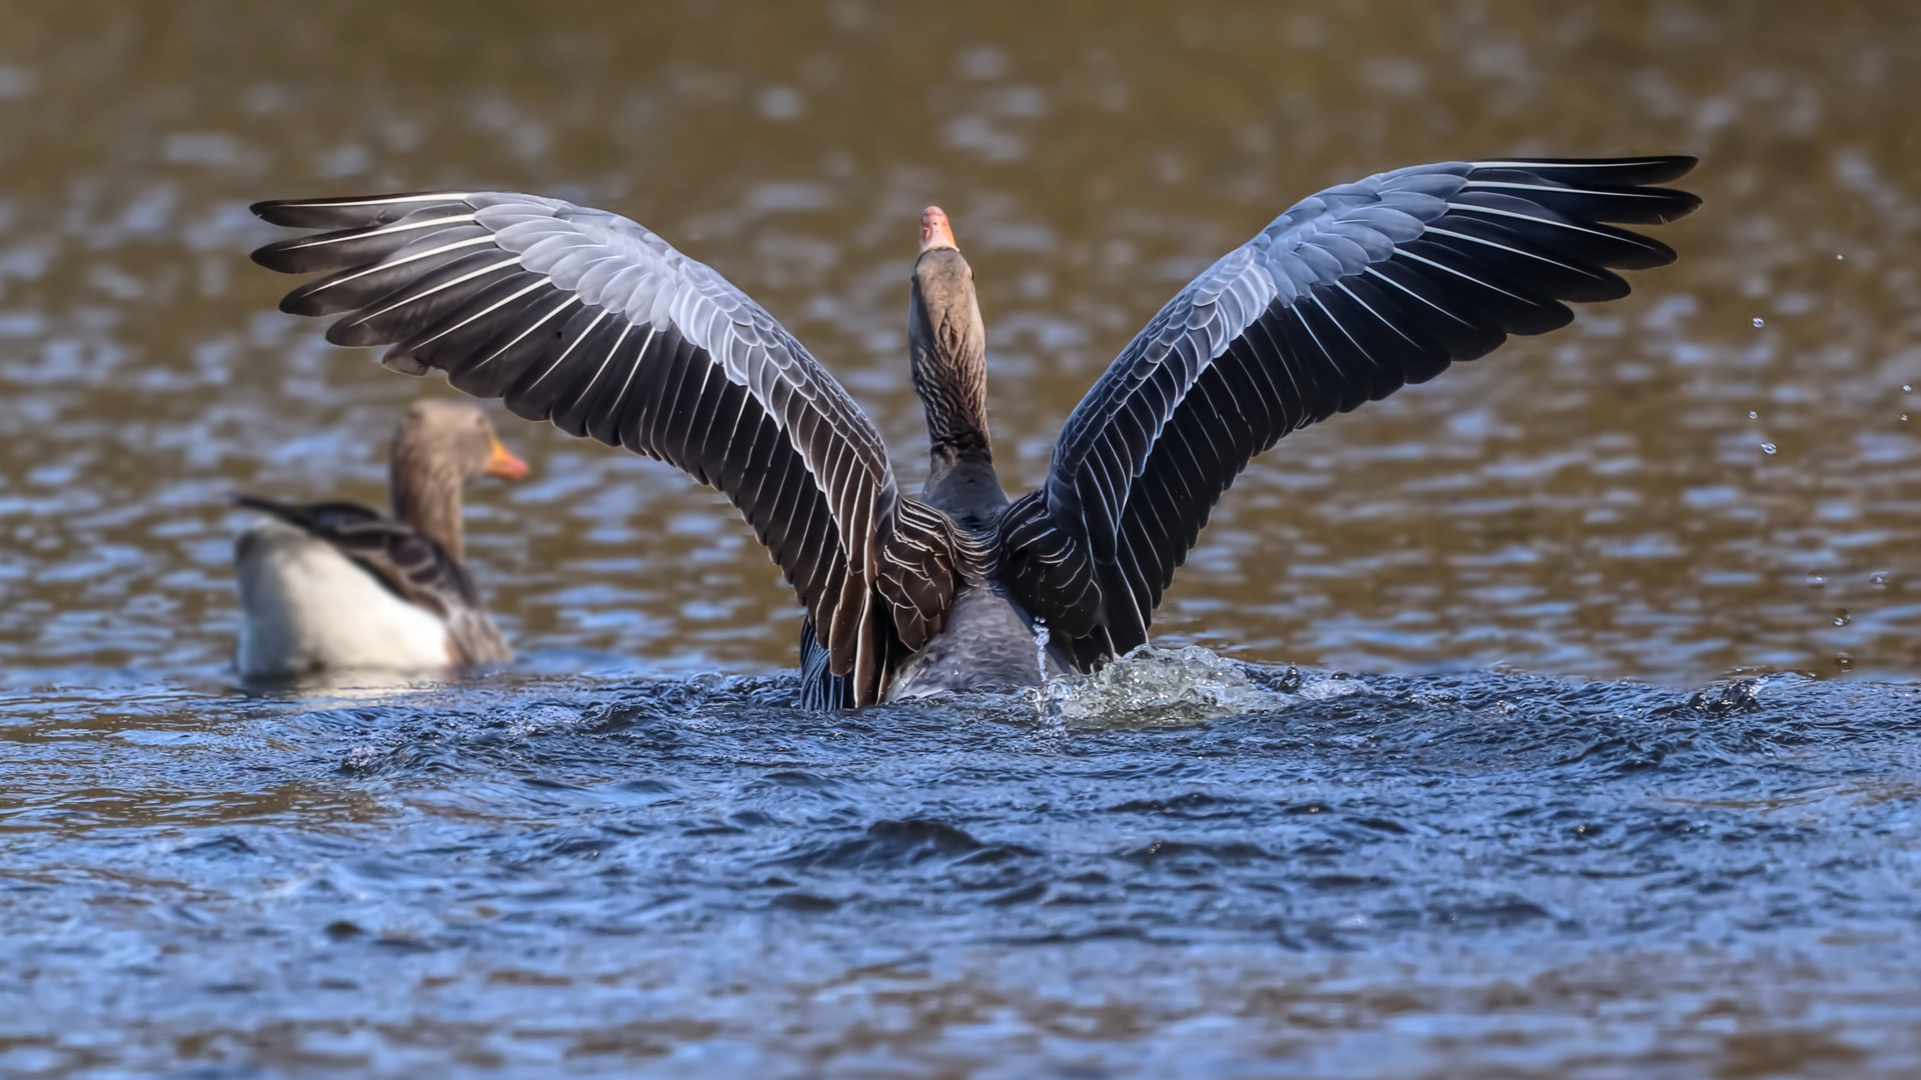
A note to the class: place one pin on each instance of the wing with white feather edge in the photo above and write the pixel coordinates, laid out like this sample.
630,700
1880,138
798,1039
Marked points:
1343,299
590,320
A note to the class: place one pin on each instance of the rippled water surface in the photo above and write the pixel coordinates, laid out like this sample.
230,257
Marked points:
1625,785
1378,876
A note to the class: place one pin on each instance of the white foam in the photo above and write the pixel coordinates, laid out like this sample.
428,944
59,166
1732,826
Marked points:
1151,687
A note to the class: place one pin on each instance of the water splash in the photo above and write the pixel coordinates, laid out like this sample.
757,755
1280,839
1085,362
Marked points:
1151,687
1041,636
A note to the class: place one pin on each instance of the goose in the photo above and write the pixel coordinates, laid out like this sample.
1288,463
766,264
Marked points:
587,319
335,586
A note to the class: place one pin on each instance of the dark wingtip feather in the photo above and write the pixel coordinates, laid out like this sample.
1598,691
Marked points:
278,256
1620,190
1657,169
344,213
1653,254
1679,165
1678,204
308,254
313,213
301,302
269,210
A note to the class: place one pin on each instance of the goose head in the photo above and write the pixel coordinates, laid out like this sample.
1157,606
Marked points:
438,448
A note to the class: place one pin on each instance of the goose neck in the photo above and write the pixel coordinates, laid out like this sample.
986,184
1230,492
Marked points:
948,346
426,493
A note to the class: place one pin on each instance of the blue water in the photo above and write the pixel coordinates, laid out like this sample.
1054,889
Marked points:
539,875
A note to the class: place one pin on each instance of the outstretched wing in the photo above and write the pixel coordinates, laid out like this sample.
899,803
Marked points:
414,567
587,319
1344,298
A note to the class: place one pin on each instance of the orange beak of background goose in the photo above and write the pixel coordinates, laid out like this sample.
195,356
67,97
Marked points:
935,230
505,464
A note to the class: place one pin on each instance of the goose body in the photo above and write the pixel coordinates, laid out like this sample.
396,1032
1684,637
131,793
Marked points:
988,642
589,320
306,607
335,587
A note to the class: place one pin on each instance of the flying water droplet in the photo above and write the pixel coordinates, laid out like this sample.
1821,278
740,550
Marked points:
1879,581
1768,448
1752,415
1904,418
1841,617
1759,322
1838,258
1817,581
1844,661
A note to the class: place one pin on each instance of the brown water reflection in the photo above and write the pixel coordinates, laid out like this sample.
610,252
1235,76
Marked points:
1596,502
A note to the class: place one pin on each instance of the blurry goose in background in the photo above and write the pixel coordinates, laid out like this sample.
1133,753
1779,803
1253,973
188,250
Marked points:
335,586
588,319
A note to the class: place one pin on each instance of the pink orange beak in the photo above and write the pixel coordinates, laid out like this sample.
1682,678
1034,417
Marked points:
504,463
935,230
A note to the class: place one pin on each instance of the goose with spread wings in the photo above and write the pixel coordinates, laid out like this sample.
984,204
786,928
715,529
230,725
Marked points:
589,320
